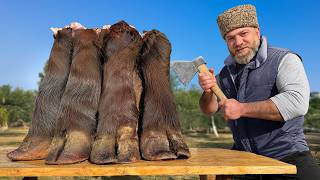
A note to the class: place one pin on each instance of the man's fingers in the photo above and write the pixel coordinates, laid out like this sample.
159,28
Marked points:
211,71
222,104
222,109
207,90
206,77
206,80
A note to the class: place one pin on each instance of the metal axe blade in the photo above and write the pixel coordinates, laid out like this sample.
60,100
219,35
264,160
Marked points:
186,70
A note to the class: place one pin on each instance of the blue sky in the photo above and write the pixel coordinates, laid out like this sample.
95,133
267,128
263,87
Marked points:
190,26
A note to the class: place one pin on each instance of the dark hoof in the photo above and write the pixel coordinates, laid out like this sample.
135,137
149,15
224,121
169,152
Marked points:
103,150
128,159
155,146
157,156
103,159
68,159
31,149
75,149
128,145
128,151
183,154
178,145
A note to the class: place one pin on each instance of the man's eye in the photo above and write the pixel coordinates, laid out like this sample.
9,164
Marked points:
244,33
230,38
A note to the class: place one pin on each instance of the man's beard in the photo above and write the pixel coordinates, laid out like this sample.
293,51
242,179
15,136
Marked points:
245,59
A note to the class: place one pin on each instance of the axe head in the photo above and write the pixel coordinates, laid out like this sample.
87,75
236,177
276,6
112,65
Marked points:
185,70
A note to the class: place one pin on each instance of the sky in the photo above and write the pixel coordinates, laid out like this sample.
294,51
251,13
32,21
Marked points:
190,26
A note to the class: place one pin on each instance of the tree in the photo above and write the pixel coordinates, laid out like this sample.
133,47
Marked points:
4,93
18,103
174,81
43,73
214,127
191,117
4,116
312,118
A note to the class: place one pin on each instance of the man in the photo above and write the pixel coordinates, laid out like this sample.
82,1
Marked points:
268,95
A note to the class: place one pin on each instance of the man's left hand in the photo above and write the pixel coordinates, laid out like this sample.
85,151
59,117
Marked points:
231,108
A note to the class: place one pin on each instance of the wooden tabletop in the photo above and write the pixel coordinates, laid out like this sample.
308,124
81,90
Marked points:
202,161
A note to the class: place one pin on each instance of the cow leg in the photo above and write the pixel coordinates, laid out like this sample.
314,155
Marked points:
118,114
36,144
77,117
160,130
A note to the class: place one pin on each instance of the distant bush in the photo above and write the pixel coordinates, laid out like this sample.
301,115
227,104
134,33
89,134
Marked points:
18,103
312,119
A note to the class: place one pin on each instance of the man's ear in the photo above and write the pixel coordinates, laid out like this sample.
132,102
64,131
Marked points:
258,32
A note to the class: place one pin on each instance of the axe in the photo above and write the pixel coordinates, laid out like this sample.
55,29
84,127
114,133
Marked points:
185,71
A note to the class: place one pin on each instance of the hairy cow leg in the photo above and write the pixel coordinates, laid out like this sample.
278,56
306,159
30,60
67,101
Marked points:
36,144
160,130
79,105
118,114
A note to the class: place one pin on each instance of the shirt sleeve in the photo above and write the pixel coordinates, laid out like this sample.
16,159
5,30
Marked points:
293,86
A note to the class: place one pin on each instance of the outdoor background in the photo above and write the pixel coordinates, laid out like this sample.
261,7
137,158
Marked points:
190,25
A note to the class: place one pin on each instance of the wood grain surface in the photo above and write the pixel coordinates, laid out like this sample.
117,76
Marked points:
203,161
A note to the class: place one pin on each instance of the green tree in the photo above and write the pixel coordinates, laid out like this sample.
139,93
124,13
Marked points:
312,119
4,116
174,81
18,103
191,117
43,73
4,93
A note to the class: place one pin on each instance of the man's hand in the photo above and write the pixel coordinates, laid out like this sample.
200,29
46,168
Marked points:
231,108
208,101
207,81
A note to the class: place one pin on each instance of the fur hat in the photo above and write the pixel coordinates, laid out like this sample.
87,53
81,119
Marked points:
237,17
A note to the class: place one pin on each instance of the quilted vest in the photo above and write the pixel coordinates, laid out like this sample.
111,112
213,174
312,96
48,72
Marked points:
257,83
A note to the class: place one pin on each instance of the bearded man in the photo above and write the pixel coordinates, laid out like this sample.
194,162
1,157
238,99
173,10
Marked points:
268,95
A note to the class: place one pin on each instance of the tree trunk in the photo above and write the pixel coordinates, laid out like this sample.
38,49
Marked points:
214,128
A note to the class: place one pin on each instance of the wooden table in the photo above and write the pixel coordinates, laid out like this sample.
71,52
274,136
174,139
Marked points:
209,163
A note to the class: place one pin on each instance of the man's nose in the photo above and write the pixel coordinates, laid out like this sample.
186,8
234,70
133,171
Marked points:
238,41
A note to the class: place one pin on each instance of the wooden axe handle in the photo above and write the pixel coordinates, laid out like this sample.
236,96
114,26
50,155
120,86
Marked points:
215,89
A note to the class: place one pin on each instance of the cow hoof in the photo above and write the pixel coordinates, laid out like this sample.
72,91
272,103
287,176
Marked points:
103,150
75,148
178,145
31,149
155,146
128,145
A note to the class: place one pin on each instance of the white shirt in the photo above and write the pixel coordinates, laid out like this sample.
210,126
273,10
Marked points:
293,87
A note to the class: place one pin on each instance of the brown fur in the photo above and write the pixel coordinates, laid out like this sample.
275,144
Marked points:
161,133
117,139
36,143
77,117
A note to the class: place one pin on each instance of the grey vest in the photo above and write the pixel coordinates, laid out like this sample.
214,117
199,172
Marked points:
258,83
